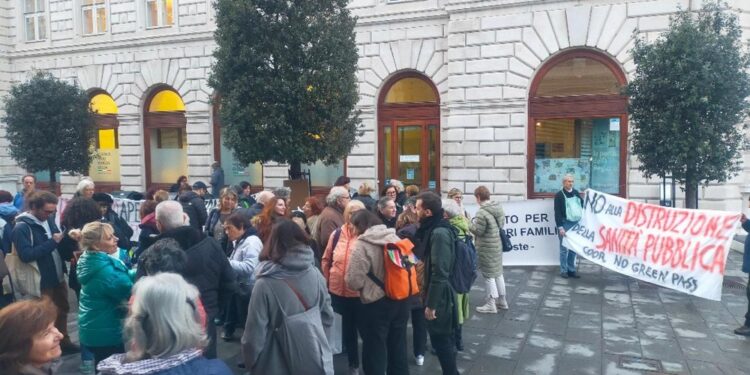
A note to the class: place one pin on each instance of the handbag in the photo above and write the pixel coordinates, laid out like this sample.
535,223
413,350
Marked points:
504,239
26,276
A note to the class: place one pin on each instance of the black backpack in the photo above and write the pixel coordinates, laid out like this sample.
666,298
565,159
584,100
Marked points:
464,271
192,212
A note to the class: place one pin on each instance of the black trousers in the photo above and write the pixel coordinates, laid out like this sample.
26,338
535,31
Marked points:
419,330
103,352
236,313
210,350
747,314
383,328
349,309
445,346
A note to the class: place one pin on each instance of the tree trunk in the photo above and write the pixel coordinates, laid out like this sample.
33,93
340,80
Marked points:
53,181
691,190
295,170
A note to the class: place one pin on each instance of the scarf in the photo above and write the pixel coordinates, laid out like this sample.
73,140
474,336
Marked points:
426,226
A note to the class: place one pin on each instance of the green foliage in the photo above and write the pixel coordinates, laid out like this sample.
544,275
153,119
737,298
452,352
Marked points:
285,73
687,99
49,125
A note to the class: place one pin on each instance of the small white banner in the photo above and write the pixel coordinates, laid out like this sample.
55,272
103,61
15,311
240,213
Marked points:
680,249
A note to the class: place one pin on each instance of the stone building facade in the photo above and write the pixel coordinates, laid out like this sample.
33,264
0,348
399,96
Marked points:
453,93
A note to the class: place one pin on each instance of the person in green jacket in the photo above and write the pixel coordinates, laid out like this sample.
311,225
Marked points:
436,239
455,216
486,229
105,290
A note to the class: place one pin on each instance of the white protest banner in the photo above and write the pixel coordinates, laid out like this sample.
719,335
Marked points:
680,249
531,228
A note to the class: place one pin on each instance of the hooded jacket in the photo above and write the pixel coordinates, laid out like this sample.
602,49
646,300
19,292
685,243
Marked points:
207,267
105,290
8,214
486,229
195,208
368,256
272,299
43,249
336,260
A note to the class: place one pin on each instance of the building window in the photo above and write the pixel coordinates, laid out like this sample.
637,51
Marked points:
94,16
35,19
105,167
578,125
165,138
160,13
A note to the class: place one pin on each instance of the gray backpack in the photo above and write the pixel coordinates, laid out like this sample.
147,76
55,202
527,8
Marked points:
303,340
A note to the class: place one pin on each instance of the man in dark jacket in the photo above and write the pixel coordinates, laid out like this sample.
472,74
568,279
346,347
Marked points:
123,231
745,329
194,206
436,239
568,208
217,179
35,237
207,267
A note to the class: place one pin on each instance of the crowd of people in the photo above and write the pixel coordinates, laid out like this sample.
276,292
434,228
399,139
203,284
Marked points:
159,304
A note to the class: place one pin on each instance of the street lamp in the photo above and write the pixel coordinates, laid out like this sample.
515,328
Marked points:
667,192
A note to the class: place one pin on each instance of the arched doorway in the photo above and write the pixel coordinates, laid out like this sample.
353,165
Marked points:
165,138
577,125
105,167
409,131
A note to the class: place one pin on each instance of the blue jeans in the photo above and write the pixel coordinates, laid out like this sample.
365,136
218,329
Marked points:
567,256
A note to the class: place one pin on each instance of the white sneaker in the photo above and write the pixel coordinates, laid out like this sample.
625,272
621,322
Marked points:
419,359
502,303
488,308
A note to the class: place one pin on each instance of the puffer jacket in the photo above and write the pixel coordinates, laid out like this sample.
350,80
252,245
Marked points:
368,256
105,290
335,262
486,230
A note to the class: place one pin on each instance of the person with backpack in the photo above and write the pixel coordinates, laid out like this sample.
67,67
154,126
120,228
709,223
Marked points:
193,205
289,309
437,242
486,228
455,216
345,301
383,318
568,210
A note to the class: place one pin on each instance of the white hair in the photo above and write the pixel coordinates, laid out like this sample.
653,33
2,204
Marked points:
398,184
263,197
170,215
170,307
83,184
568,177
336,193
451,208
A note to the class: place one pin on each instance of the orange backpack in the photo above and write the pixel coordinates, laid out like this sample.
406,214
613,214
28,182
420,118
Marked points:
400,271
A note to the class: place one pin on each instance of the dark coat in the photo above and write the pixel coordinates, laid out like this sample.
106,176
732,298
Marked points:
367,200
207,267
123,231
439,294
147,237
195,208
560,214
42,248
746,256
217,181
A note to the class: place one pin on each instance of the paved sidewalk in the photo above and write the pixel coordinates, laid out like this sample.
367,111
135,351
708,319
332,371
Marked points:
603,323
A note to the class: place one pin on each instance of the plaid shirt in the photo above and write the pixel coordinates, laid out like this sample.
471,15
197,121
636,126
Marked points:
116,365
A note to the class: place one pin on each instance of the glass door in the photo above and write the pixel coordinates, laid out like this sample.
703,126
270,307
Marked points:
410,152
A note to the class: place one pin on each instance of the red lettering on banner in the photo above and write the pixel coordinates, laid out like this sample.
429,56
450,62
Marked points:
675,252
718,259
631,210
680,222
618,241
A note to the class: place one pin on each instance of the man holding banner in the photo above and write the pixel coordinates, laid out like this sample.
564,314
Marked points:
568,210
745,329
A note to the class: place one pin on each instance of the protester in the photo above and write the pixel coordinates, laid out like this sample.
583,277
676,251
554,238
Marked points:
105,289
246,199
217,178
332,216
175,188
36,237
161,196
409,215
386,211
299,218
744,330
391,191
29,184
312,209
8,213
455,216
382,320
215,223
164,331
85,188
401,195
123,231
344,300
207,268
29,341
274,209
364,195
486,228
193,205
287,284
78,212
261,198
568,210
149,231
436,238
283,193
411,191
164,255
246,247
457,196
343,181
406,227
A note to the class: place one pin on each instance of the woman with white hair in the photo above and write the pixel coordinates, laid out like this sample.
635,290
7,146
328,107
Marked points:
85,188
165,329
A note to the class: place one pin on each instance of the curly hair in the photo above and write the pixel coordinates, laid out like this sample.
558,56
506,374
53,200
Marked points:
79,212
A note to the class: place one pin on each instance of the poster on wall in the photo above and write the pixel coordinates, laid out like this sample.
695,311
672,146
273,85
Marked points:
605,152
548,173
